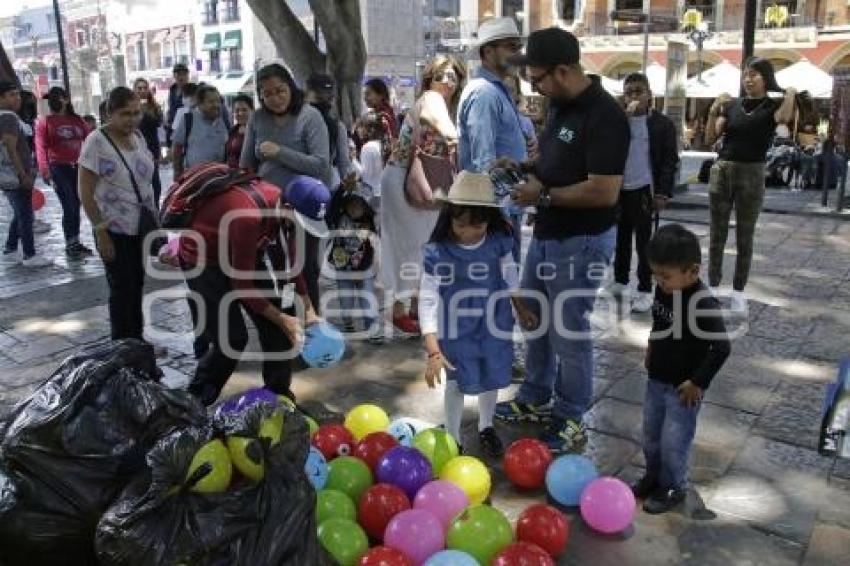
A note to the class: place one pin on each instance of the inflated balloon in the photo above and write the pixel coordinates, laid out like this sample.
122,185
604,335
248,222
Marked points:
544,526
437,445
271,427
285,401
523,554
373,447
406,468
316,468
481,531
247,455
38,200
385,556
251,397
378,506
333,504
442,499
526,461
416,533
469,474
451,558
608,505
405,428
324,345
567,477
312,425
216,458
350,476
363,419
344,540
333,440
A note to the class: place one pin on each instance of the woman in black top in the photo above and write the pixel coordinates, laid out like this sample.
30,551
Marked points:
745,128
149,127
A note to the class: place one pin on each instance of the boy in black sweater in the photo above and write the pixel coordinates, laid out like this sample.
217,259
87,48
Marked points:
687,347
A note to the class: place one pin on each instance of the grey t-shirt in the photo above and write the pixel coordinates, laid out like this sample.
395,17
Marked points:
303,141
11,124
206,140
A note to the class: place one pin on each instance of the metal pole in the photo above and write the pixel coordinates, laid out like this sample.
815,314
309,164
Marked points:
645,42
749,34
826,163
62,58
699,59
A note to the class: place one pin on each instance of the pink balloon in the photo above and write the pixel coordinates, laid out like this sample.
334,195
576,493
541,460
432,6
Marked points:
417,533
608,505
442,499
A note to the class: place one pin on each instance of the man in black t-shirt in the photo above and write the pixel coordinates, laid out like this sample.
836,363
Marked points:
575,185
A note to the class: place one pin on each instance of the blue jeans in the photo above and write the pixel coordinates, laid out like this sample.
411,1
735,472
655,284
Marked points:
354,295
668,432
555,363
65,184
20,228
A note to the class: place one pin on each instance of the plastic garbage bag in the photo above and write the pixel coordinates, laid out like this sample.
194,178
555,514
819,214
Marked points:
76,442
267,522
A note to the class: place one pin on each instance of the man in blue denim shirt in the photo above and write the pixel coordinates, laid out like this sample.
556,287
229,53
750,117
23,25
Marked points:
575,185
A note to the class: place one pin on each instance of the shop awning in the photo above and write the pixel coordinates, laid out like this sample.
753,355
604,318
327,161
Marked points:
232,39
613,86
161,35
803,75
722,78
178,32
133,38
657,75
212,41
231,83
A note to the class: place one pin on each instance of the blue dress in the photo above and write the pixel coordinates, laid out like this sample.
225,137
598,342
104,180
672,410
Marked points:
481,354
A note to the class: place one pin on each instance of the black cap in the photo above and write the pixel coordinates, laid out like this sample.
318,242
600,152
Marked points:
180,68
55,92
320,82
548,48
8,86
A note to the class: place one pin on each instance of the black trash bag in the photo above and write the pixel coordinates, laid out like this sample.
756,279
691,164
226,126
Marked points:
75,444
270,523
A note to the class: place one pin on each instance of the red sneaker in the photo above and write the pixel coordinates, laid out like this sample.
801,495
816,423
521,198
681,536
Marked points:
406,324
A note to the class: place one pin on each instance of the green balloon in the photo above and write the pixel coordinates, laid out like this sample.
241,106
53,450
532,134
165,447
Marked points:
437,445
350,476
333,504
480,530
312,424
344,540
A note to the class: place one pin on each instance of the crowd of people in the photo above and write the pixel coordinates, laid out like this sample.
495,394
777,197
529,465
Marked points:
430,207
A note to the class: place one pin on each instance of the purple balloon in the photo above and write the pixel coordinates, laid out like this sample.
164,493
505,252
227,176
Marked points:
254,396
405,468
417,533
229,407
442,499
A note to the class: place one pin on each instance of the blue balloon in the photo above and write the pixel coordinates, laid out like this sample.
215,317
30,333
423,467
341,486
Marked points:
402,431
567,477
324,345
451,558
316,469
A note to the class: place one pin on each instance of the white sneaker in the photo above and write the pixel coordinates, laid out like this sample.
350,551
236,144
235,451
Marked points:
36,261
642,303
738,302
40,227
616,289
11,258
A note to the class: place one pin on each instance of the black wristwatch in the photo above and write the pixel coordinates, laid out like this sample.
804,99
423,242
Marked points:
545,199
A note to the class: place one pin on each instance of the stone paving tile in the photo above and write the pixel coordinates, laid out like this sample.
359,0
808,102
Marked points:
793,415
722,543
39,349
830,544
778,323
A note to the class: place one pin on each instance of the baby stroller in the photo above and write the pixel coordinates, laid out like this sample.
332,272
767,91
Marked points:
836,417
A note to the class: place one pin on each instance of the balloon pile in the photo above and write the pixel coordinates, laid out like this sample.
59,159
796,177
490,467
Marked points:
403,487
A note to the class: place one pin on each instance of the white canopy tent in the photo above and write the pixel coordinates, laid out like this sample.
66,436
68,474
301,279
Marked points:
722,78
613,86
803,75
657,75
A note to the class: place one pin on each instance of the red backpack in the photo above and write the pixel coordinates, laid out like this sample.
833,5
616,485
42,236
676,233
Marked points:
197,184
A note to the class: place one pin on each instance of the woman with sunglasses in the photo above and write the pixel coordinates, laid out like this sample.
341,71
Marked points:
405,229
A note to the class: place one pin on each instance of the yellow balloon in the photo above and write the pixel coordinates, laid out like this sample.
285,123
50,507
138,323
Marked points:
469,474
365,419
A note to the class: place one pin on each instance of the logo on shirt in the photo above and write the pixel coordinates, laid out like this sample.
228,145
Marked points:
106,167
566,135
66,132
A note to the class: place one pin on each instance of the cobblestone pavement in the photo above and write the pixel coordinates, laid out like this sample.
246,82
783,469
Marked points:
761,491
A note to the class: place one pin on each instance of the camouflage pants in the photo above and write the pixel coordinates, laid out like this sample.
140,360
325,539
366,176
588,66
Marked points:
739,185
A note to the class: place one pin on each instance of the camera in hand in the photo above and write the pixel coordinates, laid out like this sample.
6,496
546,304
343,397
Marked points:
504,180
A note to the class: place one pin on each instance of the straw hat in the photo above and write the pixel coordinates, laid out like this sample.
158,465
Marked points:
470,189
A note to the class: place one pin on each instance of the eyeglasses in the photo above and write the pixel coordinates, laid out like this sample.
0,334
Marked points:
281,91
535,81
446,77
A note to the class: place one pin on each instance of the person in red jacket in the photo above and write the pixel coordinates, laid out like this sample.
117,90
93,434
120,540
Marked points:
58,139
222,291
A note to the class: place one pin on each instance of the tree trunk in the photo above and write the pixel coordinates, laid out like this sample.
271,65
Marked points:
341,25
300,52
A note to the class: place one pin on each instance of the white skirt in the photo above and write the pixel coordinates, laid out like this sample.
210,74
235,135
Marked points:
404,230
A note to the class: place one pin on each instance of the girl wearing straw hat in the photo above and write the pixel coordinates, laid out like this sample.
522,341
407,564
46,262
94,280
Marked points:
469,282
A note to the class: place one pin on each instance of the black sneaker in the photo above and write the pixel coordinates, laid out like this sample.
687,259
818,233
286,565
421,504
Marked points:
663,501
644,487
490,442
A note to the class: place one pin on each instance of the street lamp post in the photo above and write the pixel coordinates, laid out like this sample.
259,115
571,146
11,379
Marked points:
699,35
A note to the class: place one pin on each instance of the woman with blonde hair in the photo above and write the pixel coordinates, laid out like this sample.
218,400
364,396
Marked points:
428,129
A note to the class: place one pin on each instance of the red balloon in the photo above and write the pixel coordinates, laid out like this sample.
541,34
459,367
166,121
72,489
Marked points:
372,446
544,526
385,556
333,440
523,554
378,505
526,462
38,199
